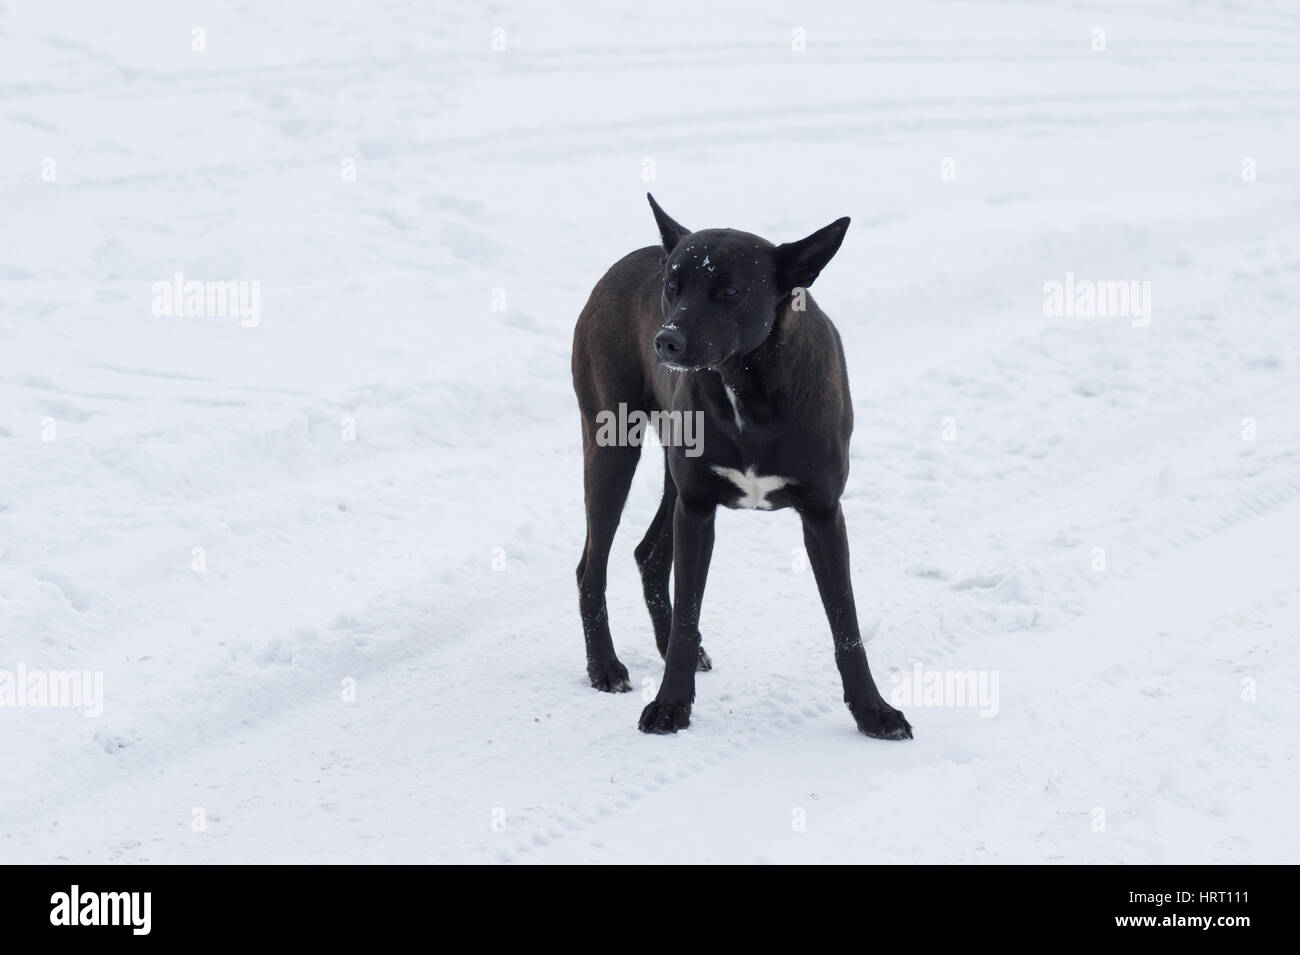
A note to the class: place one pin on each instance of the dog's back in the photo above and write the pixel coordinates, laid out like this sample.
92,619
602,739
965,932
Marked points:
613,340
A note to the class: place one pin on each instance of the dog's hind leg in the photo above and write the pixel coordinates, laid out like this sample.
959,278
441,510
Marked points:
654,558
607,475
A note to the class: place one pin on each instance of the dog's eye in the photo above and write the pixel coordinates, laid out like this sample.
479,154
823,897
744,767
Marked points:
671,285
730,291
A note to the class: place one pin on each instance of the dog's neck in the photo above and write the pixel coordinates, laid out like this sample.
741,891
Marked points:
757,380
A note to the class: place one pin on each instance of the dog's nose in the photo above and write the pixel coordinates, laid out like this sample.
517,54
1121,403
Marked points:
670,343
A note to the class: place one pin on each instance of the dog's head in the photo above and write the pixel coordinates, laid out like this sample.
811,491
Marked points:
722,289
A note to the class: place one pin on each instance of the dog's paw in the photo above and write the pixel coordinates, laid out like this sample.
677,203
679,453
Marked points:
609,677
885,723
665,717
703,663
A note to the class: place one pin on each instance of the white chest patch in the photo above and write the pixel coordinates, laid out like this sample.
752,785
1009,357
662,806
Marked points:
754,488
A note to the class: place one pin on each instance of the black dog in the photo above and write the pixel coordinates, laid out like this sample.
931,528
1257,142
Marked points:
721,330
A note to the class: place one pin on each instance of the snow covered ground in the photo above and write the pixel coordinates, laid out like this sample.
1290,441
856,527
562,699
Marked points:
374,488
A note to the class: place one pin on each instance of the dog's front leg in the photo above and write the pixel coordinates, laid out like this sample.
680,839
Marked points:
827,543
692,549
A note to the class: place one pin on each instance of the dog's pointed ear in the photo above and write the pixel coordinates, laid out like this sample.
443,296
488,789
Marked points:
669,231
799,263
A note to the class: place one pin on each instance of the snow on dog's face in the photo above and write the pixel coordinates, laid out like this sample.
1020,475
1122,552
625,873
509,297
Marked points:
722,289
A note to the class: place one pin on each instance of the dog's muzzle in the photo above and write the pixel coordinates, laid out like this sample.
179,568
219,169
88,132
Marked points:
670,345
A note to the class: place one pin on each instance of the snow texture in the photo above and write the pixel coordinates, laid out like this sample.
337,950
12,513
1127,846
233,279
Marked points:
373,489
